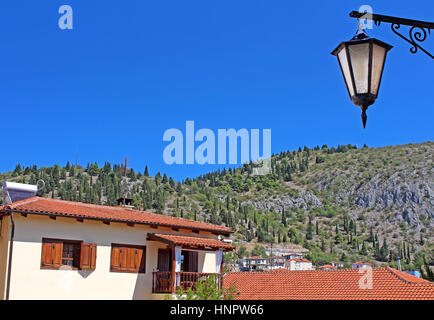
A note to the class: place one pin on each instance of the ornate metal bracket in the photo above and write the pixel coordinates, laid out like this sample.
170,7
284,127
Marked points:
417,32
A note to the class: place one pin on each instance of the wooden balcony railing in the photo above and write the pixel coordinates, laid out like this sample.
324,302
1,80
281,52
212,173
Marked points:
162,281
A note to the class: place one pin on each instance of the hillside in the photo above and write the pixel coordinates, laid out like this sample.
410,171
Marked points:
343,204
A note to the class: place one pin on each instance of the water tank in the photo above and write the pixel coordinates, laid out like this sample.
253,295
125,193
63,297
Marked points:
13,191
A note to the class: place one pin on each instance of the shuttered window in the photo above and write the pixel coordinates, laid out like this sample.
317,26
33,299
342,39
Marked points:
128,258
75,254
88,256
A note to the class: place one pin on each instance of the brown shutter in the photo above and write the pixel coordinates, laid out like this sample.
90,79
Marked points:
115,259
52,251
131,259
140,260
128,259
88,256
93,256
56,256
164,260
47,253
123,258
193,261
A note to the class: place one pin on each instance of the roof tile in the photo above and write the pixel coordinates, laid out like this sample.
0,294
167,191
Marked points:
341,284
40,205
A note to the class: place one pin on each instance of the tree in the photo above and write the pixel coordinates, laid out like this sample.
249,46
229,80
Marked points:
146,174
426,271
309,229
205,290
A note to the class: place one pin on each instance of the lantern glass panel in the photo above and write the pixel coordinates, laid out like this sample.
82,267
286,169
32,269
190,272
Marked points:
378,56
359,55
343,60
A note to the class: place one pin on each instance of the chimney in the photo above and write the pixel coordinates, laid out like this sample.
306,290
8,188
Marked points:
399,262
125,203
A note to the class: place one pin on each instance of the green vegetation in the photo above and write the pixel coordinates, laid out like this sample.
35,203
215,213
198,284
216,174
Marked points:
315,198
205,290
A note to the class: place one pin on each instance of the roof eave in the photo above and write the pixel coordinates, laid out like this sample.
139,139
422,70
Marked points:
9,210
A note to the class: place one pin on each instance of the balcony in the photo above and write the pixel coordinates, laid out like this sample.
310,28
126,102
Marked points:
162,281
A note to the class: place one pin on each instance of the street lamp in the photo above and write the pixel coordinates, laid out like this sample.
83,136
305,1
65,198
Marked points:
362,62
362,58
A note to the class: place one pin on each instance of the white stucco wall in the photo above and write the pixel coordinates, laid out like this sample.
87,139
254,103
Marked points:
29,281
291,265
4,249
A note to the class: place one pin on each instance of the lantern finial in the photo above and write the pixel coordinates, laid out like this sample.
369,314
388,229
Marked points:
364,116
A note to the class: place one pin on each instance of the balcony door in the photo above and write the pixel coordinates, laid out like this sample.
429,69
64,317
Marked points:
164,260
189,261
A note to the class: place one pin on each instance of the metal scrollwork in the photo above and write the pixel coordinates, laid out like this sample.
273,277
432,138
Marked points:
416,34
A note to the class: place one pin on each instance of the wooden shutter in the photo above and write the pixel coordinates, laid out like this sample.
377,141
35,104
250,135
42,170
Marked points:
51,253
140,260
131,259
88,256
128,258
193,261
164,260
115,259
46,254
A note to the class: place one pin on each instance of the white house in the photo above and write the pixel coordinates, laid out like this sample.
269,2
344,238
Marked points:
54,249
361,264
298,264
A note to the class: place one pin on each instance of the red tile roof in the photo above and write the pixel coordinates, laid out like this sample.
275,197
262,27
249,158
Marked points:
298,260
279,270
38,205
197,242
340,284
327,266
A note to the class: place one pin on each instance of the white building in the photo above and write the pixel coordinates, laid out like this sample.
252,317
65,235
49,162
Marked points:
54,249
298,264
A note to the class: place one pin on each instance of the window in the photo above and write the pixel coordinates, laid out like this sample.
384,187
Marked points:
75,254
128,258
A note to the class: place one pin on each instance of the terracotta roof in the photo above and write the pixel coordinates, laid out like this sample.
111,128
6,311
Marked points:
279,270
38,205
327,266
340,284
298,260
200,243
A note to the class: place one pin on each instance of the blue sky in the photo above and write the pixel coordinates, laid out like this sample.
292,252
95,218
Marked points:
129,70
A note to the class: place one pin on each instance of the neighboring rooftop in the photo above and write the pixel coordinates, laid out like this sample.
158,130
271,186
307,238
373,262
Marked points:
337,284
298,260
327,266
46,206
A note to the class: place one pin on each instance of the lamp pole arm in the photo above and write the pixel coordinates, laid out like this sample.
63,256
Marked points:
417,32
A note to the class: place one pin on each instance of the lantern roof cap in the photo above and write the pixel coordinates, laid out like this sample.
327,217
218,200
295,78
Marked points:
361,37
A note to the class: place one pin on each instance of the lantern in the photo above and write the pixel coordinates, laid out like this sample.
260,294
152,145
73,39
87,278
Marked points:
362,61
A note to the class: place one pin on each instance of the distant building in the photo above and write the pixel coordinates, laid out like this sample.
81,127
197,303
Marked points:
276,262
361,264
294,255
298,264
327,267
337,264
254,263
